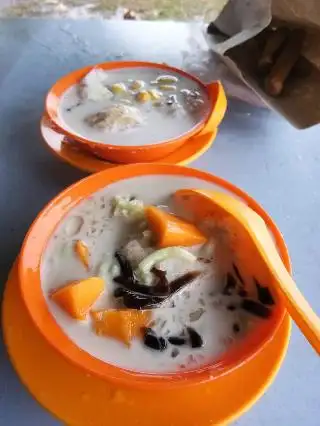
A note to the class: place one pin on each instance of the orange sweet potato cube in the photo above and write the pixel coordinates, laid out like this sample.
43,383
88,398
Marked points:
122,325
140,320
82,252
77,297
170,230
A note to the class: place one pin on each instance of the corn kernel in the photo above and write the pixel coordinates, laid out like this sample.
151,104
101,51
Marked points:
118,88
143,96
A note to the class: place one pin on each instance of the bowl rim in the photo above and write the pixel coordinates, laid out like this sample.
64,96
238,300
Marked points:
55,92
29,272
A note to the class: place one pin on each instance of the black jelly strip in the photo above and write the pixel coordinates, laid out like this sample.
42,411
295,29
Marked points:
237,272
195,338
187,278
256,308
125,266
230,285
264,294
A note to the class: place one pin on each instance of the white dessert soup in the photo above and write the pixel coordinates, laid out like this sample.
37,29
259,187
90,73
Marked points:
133,106
191,292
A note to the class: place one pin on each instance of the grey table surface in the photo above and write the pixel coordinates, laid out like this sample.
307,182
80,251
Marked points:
255,149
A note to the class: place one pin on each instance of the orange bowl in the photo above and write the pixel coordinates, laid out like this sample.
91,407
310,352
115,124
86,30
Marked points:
140,153
32,295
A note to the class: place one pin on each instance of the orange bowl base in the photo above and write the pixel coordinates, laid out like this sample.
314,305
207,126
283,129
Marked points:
64,149
79,399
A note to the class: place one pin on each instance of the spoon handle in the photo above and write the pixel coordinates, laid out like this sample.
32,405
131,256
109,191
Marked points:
226,205
298,307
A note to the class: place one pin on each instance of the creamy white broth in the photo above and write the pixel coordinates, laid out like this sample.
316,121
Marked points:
160,123
104,234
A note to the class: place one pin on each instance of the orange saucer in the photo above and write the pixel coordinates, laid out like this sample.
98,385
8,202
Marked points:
59,145
79,399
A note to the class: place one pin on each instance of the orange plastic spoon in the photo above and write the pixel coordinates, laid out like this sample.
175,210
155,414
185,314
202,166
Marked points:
298,308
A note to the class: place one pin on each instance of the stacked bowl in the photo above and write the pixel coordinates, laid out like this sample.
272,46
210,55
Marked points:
129,112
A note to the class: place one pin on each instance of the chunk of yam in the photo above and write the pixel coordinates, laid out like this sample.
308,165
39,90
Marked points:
167,79
168,87
77,297
122,325
137,85
169,230
155,95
